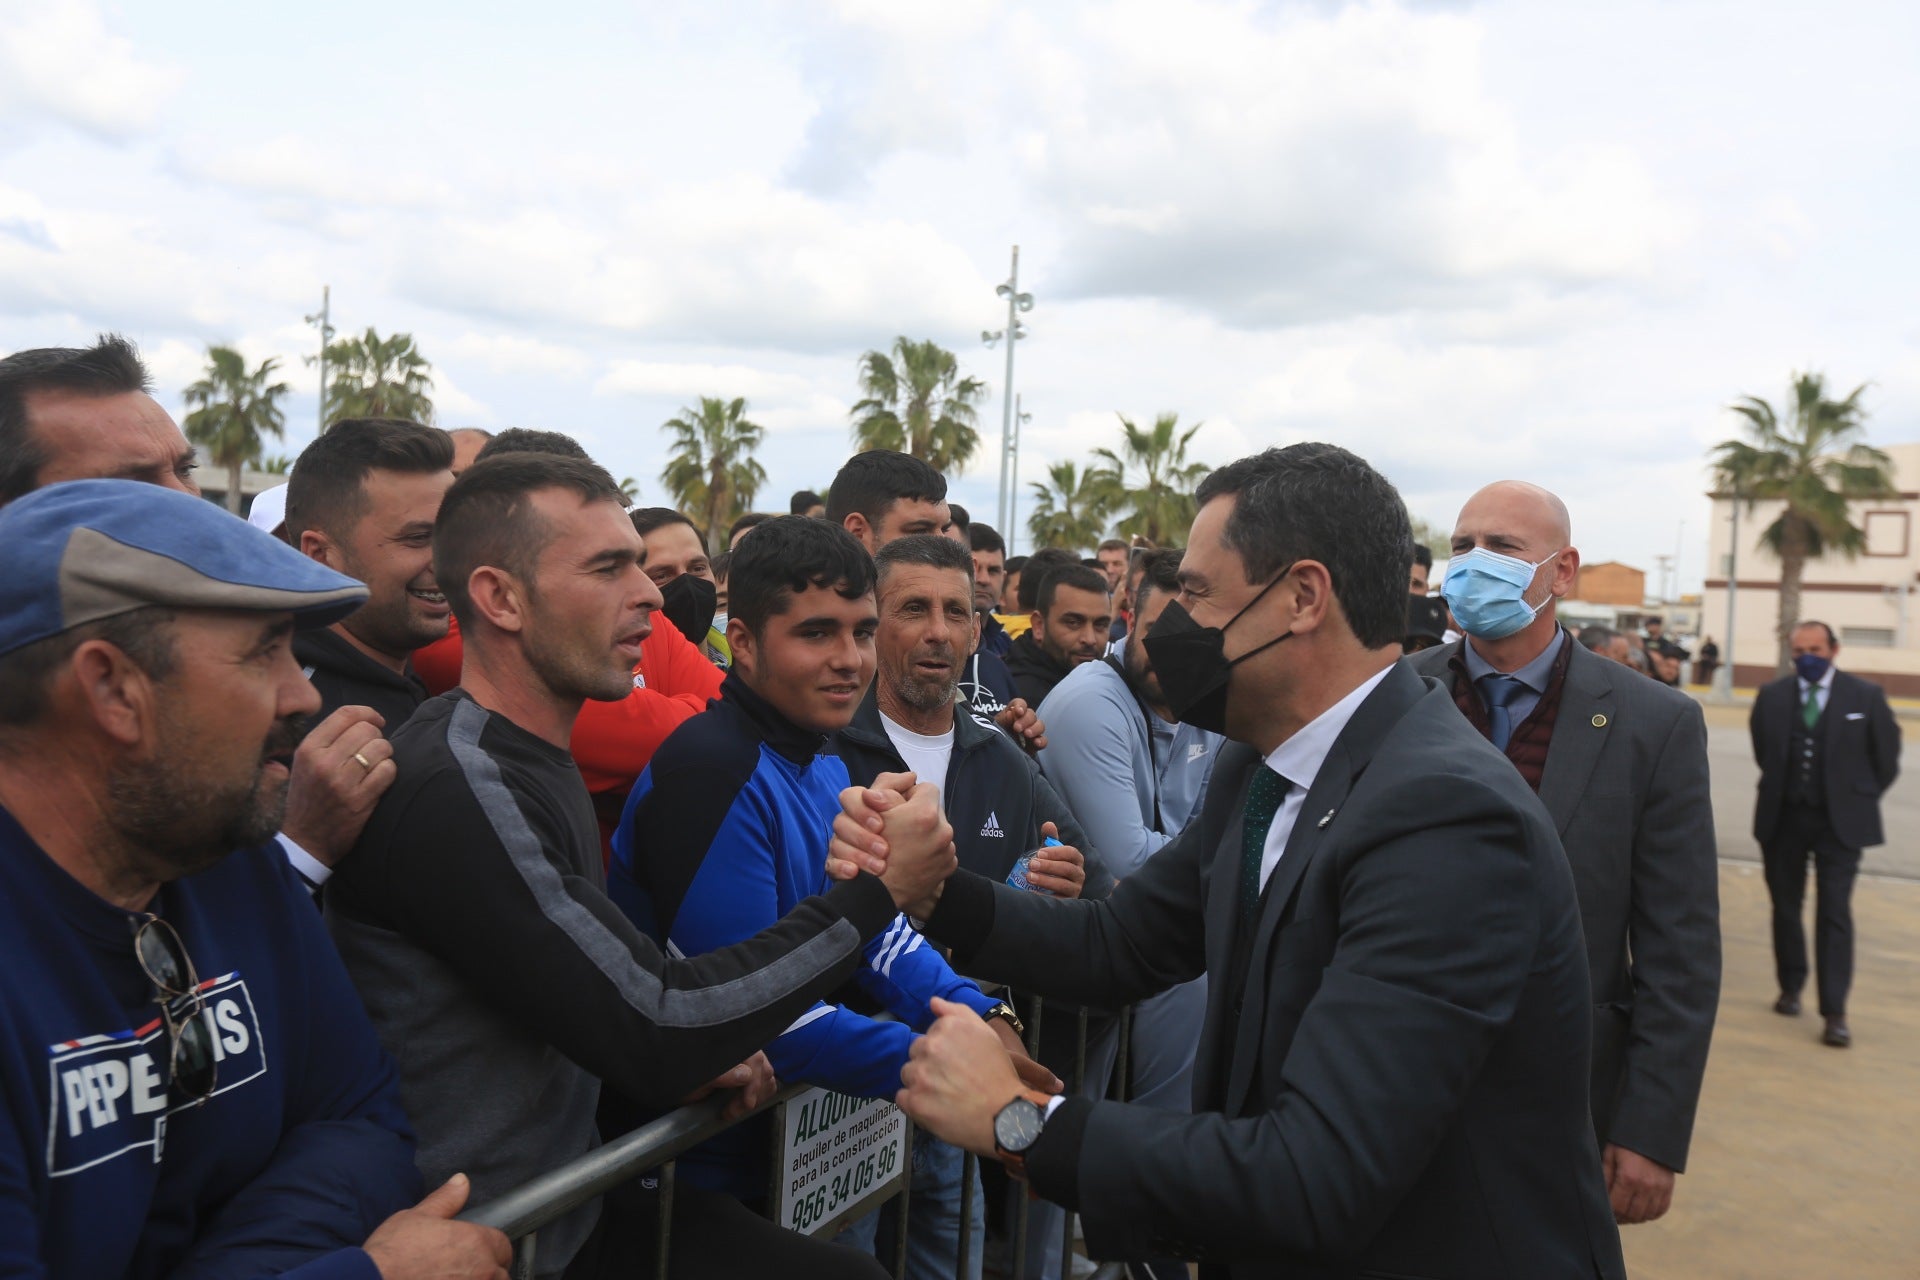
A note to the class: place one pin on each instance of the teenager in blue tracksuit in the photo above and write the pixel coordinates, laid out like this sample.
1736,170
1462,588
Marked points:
724,832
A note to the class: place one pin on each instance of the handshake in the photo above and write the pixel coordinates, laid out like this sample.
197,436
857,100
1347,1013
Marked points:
895,830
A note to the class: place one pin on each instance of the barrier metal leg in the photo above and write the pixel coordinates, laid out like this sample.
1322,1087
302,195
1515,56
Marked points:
1079,1083
663,1249
969,1170
900,1228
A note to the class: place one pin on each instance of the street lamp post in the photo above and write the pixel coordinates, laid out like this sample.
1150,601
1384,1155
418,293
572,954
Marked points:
1016,303
1723,676
323,321
1012,517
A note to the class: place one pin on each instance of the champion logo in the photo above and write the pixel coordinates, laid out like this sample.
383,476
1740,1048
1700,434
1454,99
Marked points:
993,827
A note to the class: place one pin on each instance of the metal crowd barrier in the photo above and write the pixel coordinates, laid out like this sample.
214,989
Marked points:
656,1145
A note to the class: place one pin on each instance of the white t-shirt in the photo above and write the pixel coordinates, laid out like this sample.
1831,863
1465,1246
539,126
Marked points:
926,756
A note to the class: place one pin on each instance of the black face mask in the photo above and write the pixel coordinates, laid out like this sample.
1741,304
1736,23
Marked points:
688,603
1191,661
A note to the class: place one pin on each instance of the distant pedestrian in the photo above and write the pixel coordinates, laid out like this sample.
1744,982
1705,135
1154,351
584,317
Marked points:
1828,749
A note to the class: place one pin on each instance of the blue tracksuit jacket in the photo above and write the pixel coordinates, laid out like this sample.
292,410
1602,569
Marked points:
726,832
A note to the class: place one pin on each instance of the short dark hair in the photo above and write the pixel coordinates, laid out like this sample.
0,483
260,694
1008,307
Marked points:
146,636
1159,571
1597,637
487,518
958,514
751,520
1423,555
647,519
1111,544
929,549
110,367
1016,563
787,555
1319,502
1833,641
984,537
328,488
719,564
528,440
871,482
1038,566
1078,576
803,501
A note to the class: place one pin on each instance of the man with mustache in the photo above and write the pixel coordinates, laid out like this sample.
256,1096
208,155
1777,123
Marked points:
1072,613
911,721
473,915
190,1084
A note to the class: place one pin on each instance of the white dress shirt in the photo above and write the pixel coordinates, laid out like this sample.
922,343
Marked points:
1823,689
1298,760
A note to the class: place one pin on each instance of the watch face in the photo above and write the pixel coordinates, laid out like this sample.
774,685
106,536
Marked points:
1017,1126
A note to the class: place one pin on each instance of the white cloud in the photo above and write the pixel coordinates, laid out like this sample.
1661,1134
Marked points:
650,378
59,57
740,260
514,353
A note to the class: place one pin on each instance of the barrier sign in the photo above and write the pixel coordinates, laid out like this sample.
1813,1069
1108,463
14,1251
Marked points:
839,1156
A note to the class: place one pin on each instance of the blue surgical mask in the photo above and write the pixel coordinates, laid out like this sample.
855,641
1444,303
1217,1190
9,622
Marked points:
1487,593
1811,666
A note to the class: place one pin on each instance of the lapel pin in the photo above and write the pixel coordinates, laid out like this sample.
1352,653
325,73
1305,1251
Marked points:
1599,722
1329,818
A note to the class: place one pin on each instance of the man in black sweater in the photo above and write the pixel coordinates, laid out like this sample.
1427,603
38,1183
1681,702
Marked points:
474,917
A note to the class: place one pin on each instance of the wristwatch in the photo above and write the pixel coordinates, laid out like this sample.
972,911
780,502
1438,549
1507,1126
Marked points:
1005,1010
1016,1127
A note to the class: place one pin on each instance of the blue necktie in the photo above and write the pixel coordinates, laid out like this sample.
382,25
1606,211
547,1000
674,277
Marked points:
1264,795
1499,692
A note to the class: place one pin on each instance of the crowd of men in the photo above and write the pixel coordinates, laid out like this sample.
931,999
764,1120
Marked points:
444,817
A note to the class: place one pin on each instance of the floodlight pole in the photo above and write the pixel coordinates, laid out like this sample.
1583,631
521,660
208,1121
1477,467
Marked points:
1016,303
323,321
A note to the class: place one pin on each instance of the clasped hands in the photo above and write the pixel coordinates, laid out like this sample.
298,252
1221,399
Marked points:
964,1069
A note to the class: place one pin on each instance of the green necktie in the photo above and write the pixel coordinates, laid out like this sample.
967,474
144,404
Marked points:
1810,710
1264,795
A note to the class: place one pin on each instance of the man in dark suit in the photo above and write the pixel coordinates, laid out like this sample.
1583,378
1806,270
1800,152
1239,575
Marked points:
1828,749
1392,1076
1620,761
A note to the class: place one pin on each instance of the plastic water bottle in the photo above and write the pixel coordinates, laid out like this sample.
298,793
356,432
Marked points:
1018,876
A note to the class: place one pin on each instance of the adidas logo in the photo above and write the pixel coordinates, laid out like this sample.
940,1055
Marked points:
993,827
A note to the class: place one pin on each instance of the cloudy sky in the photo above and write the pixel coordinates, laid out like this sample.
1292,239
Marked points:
1468,241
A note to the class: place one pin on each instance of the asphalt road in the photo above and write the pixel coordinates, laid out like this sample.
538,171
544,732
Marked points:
1730,757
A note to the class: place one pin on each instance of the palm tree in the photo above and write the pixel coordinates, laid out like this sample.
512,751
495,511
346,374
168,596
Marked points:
713,477
233,409
1071,509
277,464
915,401
630,489
376,377
1816,463
1161,503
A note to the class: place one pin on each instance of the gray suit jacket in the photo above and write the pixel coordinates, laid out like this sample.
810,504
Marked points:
1400,1088
1626,785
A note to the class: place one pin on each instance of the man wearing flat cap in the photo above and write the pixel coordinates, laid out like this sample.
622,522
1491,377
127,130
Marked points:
189,1083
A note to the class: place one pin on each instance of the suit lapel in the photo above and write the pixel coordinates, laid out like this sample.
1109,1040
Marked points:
1318,820
1324,798
1221,909
1580,730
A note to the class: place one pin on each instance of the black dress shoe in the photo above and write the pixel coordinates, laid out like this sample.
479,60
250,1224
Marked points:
1788,1005
1836,1033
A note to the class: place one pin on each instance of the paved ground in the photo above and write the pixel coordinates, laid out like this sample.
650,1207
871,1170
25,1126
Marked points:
1806,1160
